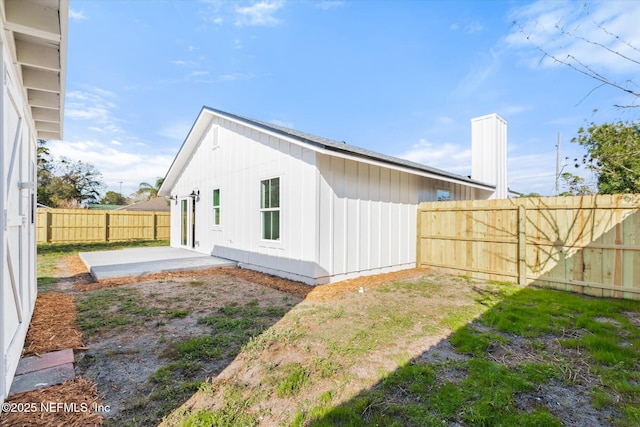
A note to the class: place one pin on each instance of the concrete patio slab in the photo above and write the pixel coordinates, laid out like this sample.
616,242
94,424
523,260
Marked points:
140,261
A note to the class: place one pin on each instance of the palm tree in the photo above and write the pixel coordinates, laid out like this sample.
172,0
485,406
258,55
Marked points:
148,191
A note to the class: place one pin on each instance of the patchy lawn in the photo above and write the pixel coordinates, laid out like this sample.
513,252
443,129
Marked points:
434,350
409,348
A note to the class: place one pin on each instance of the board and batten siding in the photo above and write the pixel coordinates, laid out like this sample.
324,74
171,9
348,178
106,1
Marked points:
235,159
367,217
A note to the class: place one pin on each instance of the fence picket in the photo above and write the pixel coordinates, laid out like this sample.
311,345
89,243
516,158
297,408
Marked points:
587,244
81,225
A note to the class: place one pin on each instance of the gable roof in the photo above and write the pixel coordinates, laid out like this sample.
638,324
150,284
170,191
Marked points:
156,204
316,143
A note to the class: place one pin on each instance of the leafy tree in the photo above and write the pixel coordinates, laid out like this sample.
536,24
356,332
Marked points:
84,179
44,174
533,194
65,182
147,191
574,185
613,153
113,198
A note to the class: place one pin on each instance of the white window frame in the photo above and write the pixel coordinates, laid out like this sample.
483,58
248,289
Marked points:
216,208
264,209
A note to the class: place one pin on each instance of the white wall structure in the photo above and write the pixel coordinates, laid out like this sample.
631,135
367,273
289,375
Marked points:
340,211
32,61
489,152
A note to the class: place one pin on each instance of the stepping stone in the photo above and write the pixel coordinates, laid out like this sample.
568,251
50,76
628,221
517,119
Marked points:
35,372
47,360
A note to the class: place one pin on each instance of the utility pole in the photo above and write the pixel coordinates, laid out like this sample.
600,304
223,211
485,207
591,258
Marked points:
558,166
121,188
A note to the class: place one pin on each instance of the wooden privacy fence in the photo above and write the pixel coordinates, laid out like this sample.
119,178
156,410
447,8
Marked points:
81,225
586,244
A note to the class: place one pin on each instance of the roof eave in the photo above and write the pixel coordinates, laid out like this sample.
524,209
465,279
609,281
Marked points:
38,35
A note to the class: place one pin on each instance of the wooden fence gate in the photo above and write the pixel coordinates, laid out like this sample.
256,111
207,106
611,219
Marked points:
586,244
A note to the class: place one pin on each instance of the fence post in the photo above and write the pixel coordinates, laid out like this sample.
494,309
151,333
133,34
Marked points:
522,245
47,226
106,226
155,226
419,238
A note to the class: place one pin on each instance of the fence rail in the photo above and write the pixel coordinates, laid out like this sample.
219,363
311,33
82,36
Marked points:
81,225
587,244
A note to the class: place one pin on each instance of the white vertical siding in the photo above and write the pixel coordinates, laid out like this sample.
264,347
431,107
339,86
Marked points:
367,218
241,159
339,217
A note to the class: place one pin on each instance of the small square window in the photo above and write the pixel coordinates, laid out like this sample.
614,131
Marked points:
443,195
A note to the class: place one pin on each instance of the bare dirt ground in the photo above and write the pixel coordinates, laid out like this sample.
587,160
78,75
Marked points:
120,359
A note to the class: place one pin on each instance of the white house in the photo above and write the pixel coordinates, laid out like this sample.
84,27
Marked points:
33,40
304,207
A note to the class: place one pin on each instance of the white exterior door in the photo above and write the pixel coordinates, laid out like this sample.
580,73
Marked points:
17,245
187,222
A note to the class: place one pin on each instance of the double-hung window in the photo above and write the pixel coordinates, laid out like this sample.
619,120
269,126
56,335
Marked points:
216,206
270,208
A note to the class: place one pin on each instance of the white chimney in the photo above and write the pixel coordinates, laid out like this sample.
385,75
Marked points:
489,152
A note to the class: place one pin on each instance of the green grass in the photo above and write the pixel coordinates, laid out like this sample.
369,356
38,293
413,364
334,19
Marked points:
232,414
295,378
236,325
483,392
112,309
169,387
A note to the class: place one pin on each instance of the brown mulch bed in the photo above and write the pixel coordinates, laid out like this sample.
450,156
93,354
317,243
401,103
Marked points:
53,325
45,407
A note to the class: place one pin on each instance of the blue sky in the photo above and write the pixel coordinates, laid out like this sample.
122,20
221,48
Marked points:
399,77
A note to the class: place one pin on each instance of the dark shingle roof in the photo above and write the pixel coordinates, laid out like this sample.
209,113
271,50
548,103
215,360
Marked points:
331,145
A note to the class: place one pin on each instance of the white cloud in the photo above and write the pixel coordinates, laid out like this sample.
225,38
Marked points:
198,73
282,123
177,130
115,163
484,68
512,110
597,34
77,15
445,120
178,62
328,4
260,13
95,105
450,157
473,27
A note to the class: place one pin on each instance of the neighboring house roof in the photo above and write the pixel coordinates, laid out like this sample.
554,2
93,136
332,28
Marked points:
101,207
155,204
39,28
317,143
